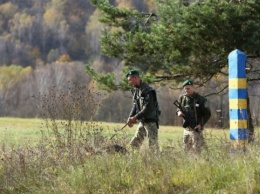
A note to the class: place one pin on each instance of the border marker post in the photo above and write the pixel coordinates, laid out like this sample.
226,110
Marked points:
238,99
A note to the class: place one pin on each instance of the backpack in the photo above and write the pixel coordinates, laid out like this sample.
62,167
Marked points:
156,104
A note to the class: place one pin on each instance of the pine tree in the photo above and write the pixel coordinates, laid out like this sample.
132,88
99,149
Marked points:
181,40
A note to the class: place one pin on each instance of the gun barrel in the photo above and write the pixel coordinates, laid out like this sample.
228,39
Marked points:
176,103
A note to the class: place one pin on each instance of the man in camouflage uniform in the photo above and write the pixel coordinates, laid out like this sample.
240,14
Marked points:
195,105
145,110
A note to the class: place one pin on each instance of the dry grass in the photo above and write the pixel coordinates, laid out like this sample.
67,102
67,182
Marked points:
85,166
75,156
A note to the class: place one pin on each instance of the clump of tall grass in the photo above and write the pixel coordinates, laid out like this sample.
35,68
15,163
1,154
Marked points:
70,135
43,170
69,117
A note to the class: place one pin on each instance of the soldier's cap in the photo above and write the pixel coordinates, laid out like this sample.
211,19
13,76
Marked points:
132,72
187,83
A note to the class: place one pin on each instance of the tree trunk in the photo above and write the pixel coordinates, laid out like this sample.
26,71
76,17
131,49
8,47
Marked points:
250,126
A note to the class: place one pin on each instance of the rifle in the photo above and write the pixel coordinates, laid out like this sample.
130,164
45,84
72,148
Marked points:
123,127
188,121
118,130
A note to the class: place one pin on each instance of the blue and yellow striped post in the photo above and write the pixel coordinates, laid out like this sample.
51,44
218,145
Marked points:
238,99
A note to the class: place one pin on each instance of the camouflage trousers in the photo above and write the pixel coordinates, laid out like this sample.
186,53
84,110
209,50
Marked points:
192,140
149,130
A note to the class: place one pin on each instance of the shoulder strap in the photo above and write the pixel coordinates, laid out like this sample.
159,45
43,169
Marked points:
183,98
134,92
195,108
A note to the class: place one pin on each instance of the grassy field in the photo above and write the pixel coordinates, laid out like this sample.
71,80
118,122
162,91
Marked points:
77,163
19,130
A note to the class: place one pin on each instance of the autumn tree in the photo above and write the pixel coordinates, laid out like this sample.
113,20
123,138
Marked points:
10,79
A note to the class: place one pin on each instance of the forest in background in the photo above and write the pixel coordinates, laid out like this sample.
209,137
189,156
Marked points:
47,43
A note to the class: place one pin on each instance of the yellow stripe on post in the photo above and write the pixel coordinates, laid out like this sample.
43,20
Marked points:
238,124
237,104
237,83
239,143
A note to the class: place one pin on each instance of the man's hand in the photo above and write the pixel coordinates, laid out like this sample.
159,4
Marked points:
130,124
180,114
198,127
131,121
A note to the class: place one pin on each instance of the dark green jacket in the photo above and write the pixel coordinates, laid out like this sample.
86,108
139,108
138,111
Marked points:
196,107
144,103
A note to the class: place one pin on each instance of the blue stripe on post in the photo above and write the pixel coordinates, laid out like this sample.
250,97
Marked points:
236,61
237,114
237,93
238,134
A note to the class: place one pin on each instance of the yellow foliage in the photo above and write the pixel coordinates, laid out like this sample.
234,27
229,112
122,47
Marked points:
23,19
52,18
26,71
36,52
12,74
150,5
64,58
8,9
124,4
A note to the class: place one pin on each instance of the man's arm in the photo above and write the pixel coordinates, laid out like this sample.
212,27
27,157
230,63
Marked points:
179,113
133,110
188,121
131,120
